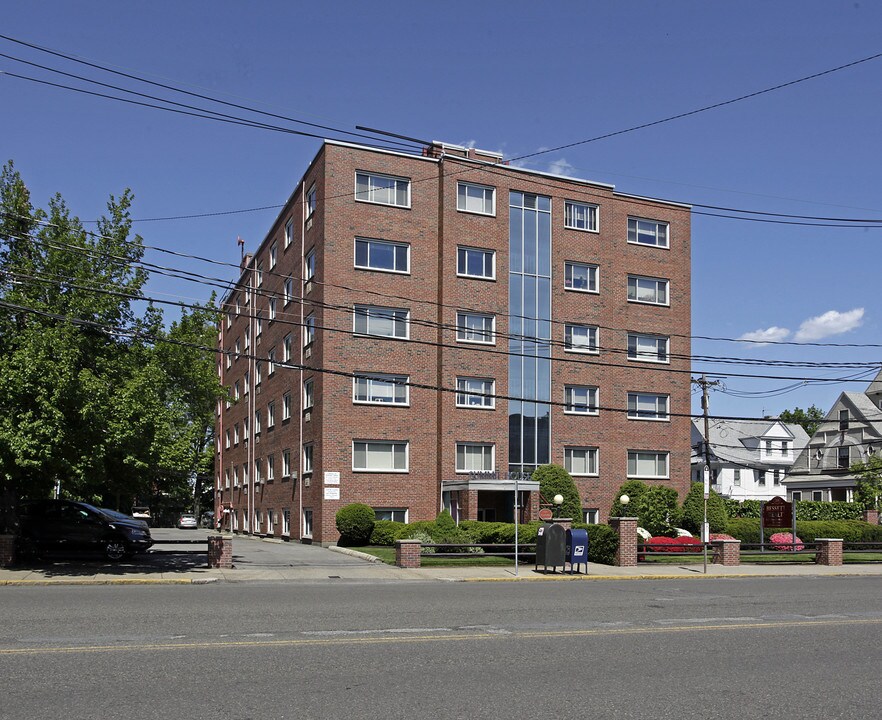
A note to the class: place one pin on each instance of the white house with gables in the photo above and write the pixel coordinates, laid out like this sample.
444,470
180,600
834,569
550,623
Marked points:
749,459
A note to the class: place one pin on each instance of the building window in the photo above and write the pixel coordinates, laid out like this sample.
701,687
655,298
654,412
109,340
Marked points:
270,415
245,474
382,189
271,311
580,338
238,349
580,216
843,419
229,320
580,399
307,522
580,460
476,263
475,457
286,348
761,478
258,473
382,321
229,358
842,457
648,348
776,476
817,495
796,495
236,434
474,198
646,464
286,407
648,406
736,477
472,392
235,476
288,291
227,479
309,266
381,389
273,252
382,255
308,386
380,456
247,338
307,459
647,232
652,291
271,362
227,439
270,468
286,463
393,514
245,429
309,330
590,516
310,201
258,372
289,232
258,324
475,328
257,424
258,275
286,521
580,276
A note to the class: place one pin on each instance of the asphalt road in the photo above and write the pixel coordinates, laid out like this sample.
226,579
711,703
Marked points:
799,647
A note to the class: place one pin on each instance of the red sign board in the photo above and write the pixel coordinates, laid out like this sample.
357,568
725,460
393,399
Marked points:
545,514
777,513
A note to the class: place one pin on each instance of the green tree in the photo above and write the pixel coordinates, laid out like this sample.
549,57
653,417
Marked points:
869,484
693,510
657,508
809,419
634,489
555,480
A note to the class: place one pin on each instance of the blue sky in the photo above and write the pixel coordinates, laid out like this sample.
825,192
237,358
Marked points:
515,77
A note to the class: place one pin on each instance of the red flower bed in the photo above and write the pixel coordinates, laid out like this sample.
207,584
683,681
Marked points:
721,536
675,545
786,541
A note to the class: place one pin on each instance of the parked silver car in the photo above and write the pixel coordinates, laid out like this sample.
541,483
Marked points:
187,521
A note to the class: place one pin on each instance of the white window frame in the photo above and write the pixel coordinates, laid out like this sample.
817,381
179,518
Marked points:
309,266
590,455
286,463
658,454
286,348
593,348
370,243
309,331
258,426
227,479
270,468
465,200
308,393
393,511
370,193
462,253
571,222
271,415
593,277
310,201
307,458
286,521
592,404
235,476
273,255
271,362
391,444
639,355
271,309
465,333
637,227
393,382
381,313
472,399
289,232
288,290
639,414
635,281
484,447
307,522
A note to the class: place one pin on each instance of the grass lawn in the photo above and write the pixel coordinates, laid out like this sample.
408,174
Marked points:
387,555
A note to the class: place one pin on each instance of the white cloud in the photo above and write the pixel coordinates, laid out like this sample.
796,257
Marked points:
469,144
830,323
560,167
772,334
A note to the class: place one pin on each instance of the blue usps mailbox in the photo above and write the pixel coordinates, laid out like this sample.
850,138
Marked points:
577,548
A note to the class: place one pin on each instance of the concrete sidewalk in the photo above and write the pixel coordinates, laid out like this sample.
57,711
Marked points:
336,564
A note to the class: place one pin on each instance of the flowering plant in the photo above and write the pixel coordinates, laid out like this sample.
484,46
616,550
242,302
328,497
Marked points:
668,544
787,541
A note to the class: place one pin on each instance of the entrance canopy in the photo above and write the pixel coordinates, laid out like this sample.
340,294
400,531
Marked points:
501,482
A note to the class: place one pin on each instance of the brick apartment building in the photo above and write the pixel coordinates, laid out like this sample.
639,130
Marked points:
416,331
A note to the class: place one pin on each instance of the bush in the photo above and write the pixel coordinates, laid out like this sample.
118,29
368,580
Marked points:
554,480
747,530
424,538
355,523
812,510
658,510
693,510
603,542
674,545
386,532
786,541
742,509
634,489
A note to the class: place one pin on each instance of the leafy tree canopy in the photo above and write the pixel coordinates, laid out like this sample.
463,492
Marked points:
809,419
869,484
555,480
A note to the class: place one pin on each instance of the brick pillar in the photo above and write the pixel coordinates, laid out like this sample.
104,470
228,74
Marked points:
565,523
626,529
871,516
407,553
220,552
829,551
727,552
7,550
533,506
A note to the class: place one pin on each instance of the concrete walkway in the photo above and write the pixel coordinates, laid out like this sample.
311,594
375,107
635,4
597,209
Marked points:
259,561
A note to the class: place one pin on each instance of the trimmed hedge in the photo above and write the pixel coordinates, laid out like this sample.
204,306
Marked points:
747,530
355,523
805,510
386,532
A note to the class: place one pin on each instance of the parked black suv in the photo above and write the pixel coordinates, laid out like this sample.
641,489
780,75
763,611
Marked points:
66,527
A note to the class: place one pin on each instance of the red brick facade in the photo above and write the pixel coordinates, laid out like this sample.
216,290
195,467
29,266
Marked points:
431,424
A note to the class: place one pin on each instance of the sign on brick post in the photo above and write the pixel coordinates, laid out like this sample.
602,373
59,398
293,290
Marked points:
626,529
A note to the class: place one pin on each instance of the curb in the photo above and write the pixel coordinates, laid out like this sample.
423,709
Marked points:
355,554
120,581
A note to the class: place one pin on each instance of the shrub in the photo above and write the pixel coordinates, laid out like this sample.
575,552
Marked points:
812,510
693,510
674,545
747,530
554,480
786,541
742,509
424,538
634,489
603,542
386,532
355,523
658,510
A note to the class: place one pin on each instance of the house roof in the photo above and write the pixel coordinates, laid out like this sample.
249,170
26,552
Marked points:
729,439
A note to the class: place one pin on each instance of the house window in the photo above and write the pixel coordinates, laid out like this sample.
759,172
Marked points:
288,291
648,348
796,495
394,514
238,348
652,291
229,320
475,328
258,372
381,389
307,522
474,457
258,275
309,266
817,495
736,477
270,468
245,474
785,447
286,406
842,457
776,476
236,434
647,464
227,439
473,198
270,415
647,232
286,521
286,463
580,276
258,473
472,392
843,419
476,263
580,216
382,255
648,406
308,386
271,362
309,330
380,456
237,390
229,357
289,232
307,459
310,201
382,321
273,252
580,460
580,400
382,189
271,313
580,338
257,428
286,348
761,478
258,324
247,338
590,516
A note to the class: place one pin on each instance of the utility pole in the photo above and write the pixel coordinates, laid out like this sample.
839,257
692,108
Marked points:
705,407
